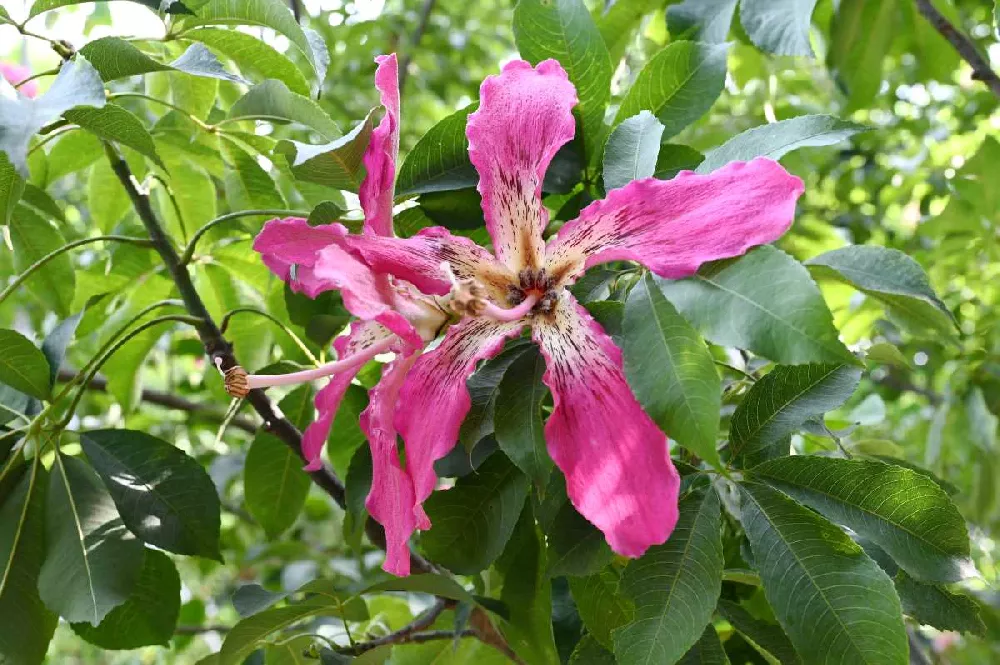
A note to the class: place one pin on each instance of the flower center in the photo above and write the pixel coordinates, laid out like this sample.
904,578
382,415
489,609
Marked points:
537,282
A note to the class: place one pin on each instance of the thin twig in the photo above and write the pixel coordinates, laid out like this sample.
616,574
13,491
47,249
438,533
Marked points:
189,250
407,632
981,70
412,638
168,400
216,347
404,65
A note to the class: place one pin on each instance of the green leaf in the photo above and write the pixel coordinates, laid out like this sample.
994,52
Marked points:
484,388
934,605
55,344
589,651
274,484
903,512
763,635
116,58
148,617
338,164
440,159
39,199
674,158
701,20
429,583
619,21
707,650
675,586
783,317
22,366
113,123
778,26
777,139
172,6
884,353
273,14
528,593
860,35
602,609
517,416
679,84
28,625
11,188
780,403
576,547
194,94
632,150
77,84
833,601
564,30
671,371
248,186
92,562
73,151
243,639
273,99
33,238
891,277
474,520
346,435
253,55
165,497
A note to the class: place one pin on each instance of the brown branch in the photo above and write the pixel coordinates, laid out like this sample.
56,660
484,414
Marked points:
404,65
217,348
981,70
406,633
410,638
170,401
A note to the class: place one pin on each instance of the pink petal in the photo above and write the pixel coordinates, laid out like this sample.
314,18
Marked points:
291,241
367,294
434,399
674,226
379,184
17,73
524,117
363,334
418,260
616,460
390,500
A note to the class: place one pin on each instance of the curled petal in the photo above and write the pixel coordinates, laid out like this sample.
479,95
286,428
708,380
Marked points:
524,117
390,500
379,184
367,294
434,399
418,260
363,335
615,459
283,243
674,226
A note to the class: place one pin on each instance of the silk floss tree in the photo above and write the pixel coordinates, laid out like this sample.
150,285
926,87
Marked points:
406,292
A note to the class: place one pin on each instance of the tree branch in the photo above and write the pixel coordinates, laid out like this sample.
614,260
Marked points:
170,401
981,70
404,66
216,347
410,638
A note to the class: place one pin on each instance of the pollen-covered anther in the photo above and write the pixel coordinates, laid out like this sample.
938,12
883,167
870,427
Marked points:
237,382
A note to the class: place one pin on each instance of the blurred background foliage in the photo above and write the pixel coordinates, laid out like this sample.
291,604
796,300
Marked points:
923,179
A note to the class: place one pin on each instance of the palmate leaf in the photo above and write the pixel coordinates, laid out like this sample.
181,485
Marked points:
675,586
679,84
833,601
780,403
474,520
148,616
92,562
671,370
164,496
764,302
27,624
564,30
903,512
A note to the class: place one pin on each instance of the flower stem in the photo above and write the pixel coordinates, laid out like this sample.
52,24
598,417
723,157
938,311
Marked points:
40,263
224,324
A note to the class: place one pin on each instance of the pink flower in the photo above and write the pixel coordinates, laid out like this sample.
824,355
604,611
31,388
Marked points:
616,460
17,73
392,316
